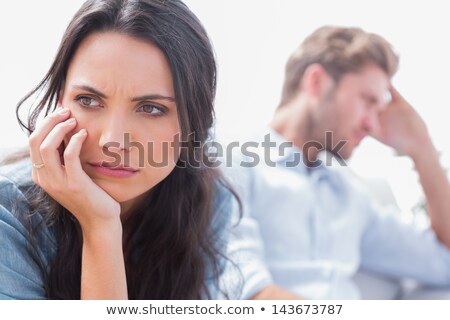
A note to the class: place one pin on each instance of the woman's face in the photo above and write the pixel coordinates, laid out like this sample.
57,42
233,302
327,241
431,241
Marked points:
120,89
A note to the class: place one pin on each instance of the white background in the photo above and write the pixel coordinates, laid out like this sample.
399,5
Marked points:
252,40
350,310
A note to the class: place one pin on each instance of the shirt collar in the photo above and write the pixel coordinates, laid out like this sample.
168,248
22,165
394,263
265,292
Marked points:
291,157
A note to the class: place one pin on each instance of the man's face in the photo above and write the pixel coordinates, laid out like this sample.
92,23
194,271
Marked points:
351,109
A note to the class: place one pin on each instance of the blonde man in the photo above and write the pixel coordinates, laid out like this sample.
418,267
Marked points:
308,227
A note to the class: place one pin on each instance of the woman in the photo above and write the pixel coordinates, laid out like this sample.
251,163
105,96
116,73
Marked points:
115,205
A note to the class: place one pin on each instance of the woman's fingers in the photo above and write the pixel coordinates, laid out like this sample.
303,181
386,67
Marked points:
49,149
72,156
41,132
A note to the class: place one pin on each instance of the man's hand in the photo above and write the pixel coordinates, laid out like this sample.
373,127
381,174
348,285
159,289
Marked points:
401,127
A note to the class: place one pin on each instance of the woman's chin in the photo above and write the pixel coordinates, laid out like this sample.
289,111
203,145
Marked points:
116,191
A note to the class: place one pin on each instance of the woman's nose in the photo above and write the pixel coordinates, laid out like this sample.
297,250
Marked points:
114,135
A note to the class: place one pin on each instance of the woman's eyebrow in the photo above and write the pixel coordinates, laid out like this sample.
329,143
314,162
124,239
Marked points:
153,97
91,90
140,98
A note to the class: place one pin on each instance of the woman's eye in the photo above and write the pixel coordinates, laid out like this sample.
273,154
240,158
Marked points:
152,109
87,102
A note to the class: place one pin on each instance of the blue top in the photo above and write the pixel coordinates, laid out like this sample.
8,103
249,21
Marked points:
310,229
21,275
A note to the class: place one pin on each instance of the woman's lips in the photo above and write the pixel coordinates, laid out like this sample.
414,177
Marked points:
118,171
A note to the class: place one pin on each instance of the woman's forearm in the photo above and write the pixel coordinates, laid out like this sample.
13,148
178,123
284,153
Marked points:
103,269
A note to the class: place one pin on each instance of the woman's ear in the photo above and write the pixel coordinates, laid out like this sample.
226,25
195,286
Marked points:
316,81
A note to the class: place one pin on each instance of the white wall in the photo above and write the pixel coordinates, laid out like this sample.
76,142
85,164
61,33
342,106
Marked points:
29,36
253,39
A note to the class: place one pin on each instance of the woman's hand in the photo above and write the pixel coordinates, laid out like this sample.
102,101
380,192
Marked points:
60,174
66,181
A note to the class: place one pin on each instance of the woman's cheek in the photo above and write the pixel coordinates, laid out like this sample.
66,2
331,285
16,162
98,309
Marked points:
163,150
81,124
84,121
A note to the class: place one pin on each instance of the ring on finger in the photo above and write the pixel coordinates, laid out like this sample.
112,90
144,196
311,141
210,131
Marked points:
38,165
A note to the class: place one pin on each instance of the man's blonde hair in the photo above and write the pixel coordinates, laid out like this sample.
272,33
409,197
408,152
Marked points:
338,50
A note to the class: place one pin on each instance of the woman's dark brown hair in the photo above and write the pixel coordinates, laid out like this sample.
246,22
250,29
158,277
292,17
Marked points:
172,251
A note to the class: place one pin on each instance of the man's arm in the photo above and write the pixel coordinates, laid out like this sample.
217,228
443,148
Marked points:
436,188
403,129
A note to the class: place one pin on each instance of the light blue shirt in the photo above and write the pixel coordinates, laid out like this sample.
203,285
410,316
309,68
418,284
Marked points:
309,230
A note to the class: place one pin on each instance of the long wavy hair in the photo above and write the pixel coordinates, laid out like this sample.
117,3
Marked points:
172,251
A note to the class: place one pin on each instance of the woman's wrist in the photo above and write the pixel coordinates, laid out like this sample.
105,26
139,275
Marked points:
102,231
